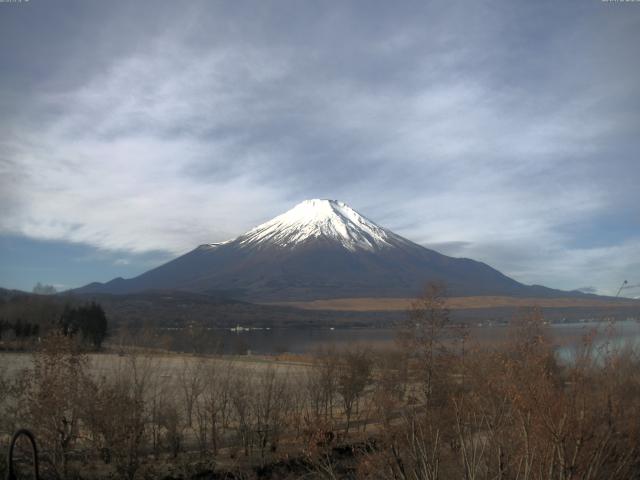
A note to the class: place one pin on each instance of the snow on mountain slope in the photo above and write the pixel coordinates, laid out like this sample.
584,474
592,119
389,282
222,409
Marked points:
313,219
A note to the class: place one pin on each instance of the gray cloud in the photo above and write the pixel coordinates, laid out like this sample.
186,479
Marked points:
503,134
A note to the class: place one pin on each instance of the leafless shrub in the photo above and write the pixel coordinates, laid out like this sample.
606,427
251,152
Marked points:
53,388
410,449
118,412
172,424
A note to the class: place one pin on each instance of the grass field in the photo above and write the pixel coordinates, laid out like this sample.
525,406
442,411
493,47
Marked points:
454,303
169,366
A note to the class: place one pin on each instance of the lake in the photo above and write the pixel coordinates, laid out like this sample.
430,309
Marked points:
567,337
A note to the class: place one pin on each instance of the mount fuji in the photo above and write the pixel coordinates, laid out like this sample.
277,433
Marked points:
320,249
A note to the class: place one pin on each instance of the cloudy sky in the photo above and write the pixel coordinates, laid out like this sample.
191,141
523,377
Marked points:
507,132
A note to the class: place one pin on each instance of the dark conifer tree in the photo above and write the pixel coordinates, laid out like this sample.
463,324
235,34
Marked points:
88,320
18,328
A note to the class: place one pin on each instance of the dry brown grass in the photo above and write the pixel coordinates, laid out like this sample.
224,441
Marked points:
401,304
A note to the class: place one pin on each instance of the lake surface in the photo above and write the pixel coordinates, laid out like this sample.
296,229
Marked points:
567,337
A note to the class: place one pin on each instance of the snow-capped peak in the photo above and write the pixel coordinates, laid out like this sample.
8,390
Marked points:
320,219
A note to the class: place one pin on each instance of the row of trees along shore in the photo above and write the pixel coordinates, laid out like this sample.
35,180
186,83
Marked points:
435,407
85,322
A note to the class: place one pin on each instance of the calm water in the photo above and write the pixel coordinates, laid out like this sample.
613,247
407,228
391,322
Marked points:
567,337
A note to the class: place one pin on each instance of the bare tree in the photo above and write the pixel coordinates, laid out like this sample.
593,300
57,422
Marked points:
424,334
390,383
241,391
215,407
270,407
191,385
53,392
322,384
354,375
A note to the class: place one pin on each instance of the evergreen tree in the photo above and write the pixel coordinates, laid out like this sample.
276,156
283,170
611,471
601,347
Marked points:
69,321
88,320
18,328
94,324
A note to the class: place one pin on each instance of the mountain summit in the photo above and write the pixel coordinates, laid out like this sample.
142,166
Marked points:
317,250
316,219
